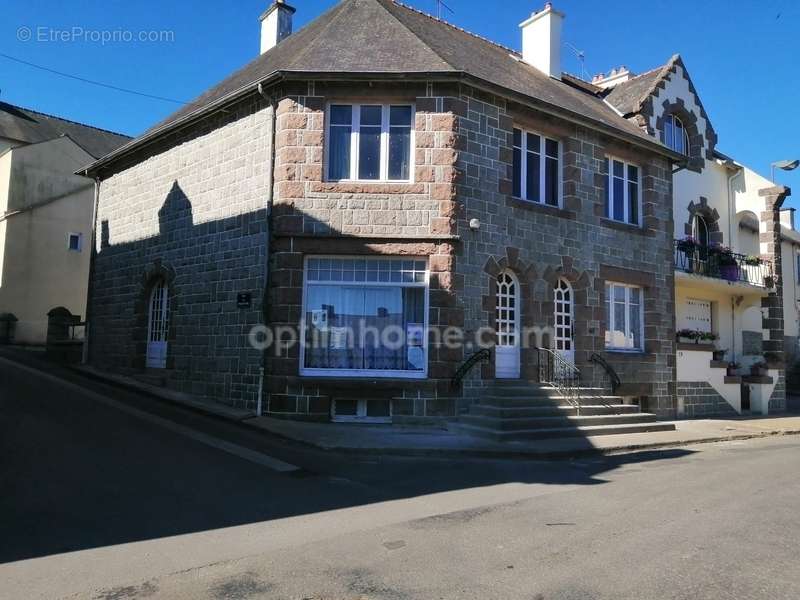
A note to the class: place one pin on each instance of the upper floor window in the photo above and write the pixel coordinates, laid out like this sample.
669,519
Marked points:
675,135
369,142
536,173
622,192
75,242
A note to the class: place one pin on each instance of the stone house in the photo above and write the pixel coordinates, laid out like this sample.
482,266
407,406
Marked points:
45,217
735,253
438,188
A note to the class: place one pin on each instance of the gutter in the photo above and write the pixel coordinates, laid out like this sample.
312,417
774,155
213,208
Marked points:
423,76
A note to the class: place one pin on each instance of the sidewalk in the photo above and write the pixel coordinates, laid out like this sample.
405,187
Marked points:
440,441
428,441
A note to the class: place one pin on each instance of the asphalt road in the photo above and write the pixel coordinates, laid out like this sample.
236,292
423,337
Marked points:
113,495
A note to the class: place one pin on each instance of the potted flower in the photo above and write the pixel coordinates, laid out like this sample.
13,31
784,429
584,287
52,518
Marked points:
707,336
758,369
769,281
689,334
718,355
687,244
726,261
752,260
732,367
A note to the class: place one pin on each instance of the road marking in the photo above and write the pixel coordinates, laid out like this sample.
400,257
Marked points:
236,450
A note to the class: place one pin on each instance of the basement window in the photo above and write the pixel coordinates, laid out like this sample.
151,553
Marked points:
369,142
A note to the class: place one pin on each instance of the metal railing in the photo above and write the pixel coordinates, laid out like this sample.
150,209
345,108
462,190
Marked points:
565,377
481,355
609,371
730,266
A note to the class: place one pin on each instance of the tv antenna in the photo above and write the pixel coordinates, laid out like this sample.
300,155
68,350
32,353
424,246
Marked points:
439,5
581,56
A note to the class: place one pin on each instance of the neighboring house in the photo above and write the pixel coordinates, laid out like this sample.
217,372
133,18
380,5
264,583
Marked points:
45,215
735,252
382,170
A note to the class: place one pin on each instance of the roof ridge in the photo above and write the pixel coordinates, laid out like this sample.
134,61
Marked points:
663,71
456,27
49,116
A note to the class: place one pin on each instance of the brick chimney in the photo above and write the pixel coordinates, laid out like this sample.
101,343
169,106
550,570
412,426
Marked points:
541,40
276,24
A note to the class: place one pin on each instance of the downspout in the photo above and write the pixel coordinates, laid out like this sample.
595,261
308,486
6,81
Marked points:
262,372
731,217
85,354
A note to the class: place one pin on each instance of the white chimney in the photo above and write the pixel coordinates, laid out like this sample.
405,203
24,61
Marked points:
615,77
276,24
541,40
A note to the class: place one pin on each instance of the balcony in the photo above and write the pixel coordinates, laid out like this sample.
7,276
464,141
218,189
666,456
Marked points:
720,263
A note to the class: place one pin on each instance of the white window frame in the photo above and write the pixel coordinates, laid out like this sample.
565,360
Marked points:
670,143
356,373
80,241
354,142
523,167
609,285
626,191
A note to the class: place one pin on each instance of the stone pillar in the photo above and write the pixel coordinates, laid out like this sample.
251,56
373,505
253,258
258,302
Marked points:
772,304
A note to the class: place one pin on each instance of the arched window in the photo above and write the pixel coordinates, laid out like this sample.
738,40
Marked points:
700,230
675,135
564,319
157,323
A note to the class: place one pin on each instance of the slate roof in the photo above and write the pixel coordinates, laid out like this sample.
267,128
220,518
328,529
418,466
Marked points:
30,127
627,97
384,37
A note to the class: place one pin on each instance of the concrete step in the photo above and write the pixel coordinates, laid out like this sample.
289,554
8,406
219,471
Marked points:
555,400
499,411
554,422
562,432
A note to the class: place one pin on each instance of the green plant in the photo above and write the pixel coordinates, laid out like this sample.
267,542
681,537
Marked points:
752,260
723,255
707,336
687,244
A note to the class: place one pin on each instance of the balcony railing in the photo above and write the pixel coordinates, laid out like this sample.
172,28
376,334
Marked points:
710,262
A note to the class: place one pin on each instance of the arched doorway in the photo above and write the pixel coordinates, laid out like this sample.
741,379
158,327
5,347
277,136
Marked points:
157,323
564,320
507,319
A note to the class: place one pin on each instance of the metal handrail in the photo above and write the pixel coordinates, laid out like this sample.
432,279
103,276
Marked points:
609,370
481,355
555,370
706,261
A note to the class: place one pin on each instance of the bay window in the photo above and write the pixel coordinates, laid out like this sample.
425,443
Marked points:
624,317
536,173
369,142
622,192
365,316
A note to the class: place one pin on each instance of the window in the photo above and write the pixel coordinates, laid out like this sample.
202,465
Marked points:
75,242
675,135
369,142
536,174
622,192
365,316
624,317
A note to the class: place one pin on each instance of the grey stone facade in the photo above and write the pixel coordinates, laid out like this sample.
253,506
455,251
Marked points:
700,399
193,213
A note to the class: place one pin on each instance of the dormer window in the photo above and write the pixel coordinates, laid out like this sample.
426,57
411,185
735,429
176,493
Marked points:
675,135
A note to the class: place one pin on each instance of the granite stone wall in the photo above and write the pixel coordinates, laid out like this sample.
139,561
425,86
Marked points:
700,399
192,212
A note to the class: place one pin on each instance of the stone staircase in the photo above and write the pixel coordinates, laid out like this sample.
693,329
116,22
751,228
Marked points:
521,410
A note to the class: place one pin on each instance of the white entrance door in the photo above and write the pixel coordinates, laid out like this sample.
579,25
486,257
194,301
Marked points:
564,321
157,326
507,326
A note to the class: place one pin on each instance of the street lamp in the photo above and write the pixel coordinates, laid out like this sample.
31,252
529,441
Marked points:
784,165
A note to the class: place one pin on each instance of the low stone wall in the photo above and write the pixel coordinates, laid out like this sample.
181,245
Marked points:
699,399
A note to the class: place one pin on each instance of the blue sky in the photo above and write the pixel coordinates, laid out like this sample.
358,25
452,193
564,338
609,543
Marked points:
742,55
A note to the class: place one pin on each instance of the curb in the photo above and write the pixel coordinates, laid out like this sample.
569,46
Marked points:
494,453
